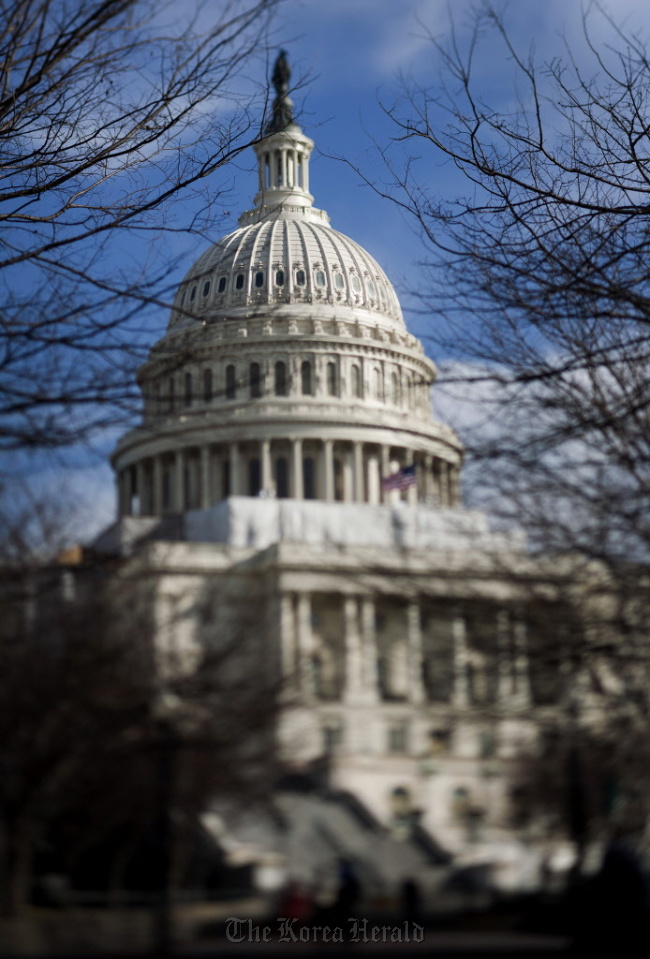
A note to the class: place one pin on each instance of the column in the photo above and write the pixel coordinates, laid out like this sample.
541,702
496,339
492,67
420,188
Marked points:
265,460
205,478
414,634
412,491
178,492
328,470
369,649
348,476
354,685
233,451
427,487
139,487
385,472
297,490
359,486
374,486
157,507
288,652
461,692
305,645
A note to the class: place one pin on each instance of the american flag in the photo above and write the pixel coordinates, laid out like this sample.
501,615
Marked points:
402,479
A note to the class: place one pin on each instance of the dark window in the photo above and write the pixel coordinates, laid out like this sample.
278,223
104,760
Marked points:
280,378
231,382
239,282
301,278
356,381
188,389
259,280
222,284
279,278
308,478
338,480
305,378
227,485
166,490
332,380
254,477
255,380
281,477
193,293
206,288
320,278
170,395
207,385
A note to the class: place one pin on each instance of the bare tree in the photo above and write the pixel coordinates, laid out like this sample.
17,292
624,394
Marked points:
110,110
536,278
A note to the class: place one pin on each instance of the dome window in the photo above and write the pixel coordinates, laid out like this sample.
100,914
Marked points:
339,281
372,290
207,386
188,389
356,381
255,375
301,278
305,378
279,277
320,278
356,284
193,293
239,282
259,280
206,288
222,284
332,380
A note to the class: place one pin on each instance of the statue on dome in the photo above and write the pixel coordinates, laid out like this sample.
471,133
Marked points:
283,104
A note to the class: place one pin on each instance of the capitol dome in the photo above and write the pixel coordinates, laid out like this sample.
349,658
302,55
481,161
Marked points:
286,369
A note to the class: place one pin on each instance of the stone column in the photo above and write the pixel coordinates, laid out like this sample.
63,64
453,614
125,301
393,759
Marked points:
414,633
354,685
374,485
265,461
359,486
297,490
205,501
305,645
412,491
328,471
369,649
178,491
157,505
427,487
461,692
288,652
233,452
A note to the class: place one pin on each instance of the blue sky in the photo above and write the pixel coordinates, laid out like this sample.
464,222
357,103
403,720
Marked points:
349,55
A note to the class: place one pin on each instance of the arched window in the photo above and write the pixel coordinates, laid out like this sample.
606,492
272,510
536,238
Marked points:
207,386
259,280
255,377
188,389
222,284
279,277
356,381
320,278
231,382
305,378
239,281
206,288
301,278
308,478
281,477
332,380
280,378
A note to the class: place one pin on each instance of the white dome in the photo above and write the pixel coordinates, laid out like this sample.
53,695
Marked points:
285,259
